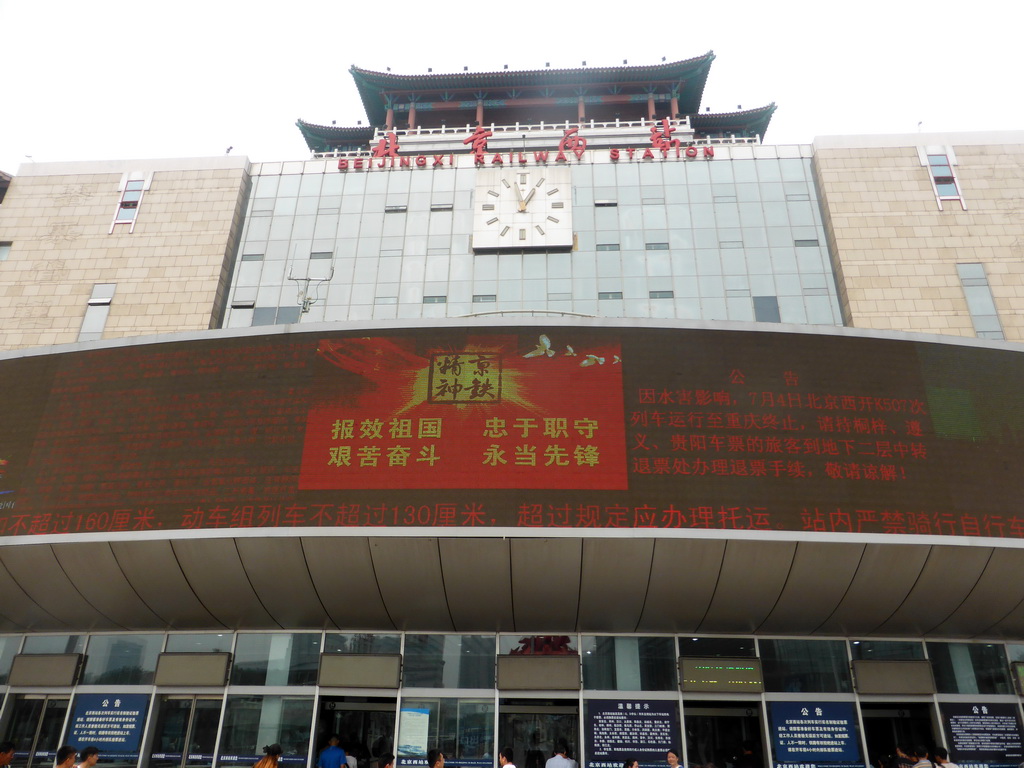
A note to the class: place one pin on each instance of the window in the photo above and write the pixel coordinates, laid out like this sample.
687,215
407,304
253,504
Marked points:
609,295
805,243
321,255
980,303
122,659
657,246
606,203
629,663
607,246
940,162
252,257
366,642
435,299
661,294
395,208
276,659
970,668
449,661
5,250
766,309
942,175
805,666
96,311
484,298
133,186
441,207
276,315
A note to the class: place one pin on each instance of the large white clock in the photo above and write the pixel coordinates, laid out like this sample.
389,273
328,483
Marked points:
520,208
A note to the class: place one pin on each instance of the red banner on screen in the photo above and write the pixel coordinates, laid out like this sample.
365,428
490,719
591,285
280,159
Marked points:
494,411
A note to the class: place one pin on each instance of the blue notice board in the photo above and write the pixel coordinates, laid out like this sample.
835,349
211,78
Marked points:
815,734
111,722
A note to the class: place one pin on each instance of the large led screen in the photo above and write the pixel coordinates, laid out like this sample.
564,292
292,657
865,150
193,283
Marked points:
550,427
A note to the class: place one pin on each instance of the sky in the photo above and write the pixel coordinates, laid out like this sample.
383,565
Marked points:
129,80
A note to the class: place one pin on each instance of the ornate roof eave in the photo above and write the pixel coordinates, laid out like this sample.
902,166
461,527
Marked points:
324,138
748,122
693,72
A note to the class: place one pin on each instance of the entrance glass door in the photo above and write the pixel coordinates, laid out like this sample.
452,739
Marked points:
186,732
717,733
887,726
365,726
35,729
532,727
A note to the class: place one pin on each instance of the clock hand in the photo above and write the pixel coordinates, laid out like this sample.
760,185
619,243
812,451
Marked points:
519,196
529,197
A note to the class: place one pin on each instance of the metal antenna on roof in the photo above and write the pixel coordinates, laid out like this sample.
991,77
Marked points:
305,297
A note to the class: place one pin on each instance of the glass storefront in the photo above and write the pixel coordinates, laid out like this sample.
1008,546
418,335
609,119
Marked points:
449,697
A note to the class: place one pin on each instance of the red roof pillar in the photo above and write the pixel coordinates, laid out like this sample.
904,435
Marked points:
389,119
675,107
412,115
581,111
479,111
650,106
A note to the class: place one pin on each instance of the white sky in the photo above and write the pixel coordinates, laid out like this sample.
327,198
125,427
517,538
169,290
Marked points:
97,80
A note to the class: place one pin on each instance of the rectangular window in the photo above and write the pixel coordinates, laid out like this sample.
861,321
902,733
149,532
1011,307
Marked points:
805,243
276,315
657,246
602,295
122,659
628,663
435,299
133,186
971,668
321,255
484,298
252,722
661,294
395,208
252,257
449,661
941,163
5,250
980,303
606,203
96,311
276,659
766,309
363,642
805,666
441,207
607,246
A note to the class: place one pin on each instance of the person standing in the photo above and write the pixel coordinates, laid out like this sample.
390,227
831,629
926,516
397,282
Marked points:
505,758
560,759
89,757
65,757
6,753
271,753
921,756
942,758
332,756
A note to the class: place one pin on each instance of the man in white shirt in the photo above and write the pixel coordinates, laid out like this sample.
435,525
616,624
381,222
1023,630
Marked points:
559,760
505,758
942,758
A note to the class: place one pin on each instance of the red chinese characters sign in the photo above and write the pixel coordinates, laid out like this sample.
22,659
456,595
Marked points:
571,426
489,414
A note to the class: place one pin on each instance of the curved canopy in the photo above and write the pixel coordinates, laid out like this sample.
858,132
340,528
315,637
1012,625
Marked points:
497,583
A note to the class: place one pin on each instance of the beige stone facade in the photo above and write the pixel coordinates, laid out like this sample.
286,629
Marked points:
170,270
896,246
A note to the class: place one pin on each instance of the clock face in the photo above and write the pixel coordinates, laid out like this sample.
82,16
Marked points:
519,208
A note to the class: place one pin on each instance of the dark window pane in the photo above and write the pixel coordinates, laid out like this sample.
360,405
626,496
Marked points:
741,647
797,666
969,668
766,309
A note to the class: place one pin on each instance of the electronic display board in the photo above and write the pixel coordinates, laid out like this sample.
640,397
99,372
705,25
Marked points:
569,426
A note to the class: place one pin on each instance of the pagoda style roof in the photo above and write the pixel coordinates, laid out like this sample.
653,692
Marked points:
333,138
748,122
506,97
687,76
